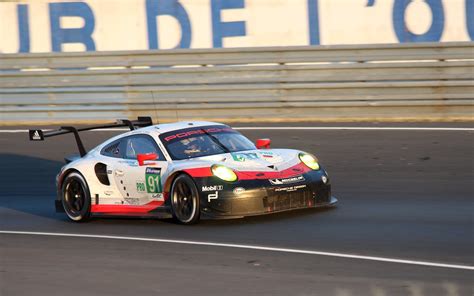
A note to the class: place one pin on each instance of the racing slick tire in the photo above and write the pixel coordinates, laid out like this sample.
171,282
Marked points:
185,200
76,198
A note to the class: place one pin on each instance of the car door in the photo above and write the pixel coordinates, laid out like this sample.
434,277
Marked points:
140,184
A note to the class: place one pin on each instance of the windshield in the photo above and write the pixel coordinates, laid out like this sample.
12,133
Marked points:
204,141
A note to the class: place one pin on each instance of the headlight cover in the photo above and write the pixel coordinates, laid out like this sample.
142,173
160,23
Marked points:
224,173
309,160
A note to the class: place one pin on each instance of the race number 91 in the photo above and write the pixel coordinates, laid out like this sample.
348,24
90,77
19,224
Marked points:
153,180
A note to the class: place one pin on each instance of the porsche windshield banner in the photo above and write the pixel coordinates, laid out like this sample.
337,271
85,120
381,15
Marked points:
178,135
99,25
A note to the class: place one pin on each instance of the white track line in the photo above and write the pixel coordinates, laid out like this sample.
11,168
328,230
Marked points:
360,128
249,247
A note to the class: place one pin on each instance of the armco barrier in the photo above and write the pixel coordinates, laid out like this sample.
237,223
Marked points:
428,81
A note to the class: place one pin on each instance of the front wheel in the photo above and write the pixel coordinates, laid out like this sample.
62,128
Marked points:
185,200
76,198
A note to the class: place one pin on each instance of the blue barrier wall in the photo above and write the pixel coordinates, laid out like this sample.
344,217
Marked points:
97,25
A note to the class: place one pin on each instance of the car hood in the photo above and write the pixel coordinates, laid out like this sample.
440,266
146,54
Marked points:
255,160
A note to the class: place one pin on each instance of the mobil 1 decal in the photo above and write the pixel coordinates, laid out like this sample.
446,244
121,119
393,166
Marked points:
153,180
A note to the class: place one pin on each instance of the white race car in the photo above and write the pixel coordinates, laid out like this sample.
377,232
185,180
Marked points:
185,170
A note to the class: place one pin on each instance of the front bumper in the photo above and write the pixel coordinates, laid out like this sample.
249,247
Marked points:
258,197
257,211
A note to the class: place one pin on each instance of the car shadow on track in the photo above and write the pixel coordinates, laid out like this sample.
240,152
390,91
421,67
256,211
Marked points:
28,184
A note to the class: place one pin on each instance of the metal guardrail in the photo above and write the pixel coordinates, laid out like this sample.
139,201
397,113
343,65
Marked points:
429,81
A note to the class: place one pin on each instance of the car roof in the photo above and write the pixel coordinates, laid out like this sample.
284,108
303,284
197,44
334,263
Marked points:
157,129
168,127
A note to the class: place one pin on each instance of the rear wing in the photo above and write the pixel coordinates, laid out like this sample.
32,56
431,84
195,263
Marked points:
40,135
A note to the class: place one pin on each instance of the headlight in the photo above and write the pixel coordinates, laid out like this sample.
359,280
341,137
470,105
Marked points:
223,173
310,161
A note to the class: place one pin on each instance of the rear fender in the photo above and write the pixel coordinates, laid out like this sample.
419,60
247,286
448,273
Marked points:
85,167
59,185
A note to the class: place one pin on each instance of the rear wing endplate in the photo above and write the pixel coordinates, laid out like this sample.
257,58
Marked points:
36,135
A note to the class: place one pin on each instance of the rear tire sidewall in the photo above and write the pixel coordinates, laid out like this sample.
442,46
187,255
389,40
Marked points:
195,196
85,212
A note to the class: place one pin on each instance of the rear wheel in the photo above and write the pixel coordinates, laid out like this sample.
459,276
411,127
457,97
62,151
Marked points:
185,200
76,198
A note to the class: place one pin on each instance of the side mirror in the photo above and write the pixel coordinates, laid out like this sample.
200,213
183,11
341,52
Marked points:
144,157
263,143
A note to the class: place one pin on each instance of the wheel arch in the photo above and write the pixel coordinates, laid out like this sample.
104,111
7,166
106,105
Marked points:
63,176
194,218
66,173
84,215
169,181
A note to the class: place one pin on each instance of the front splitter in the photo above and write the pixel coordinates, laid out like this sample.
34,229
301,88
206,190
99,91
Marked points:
332,203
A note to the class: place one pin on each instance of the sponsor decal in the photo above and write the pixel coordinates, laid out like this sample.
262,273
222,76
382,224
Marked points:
241,157
325,179
239,190
109,172
155,171
290,189
157,196
132,163
36,135
153,180
132,201
108,193
266,154
212,196
212,188
287,180
187,134
141,187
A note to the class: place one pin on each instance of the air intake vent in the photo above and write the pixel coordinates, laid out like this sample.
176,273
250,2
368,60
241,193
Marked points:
101,173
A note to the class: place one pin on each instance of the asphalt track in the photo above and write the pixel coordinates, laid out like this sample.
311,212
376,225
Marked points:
404,194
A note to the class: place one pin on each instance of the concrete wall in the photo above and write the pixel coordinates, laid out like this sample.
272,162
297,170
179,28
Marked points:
392,82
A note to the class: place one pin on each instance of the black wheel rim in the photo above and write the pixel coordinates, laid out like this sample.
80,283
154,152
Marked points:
74,197
184,202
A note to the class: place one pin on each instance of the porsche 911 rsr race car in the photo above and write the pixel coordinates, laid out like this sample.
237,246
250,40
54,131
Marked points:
185,170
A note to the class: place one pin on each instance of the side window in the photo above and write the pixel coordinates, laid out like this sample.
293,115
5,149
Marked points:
112,150
141,144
